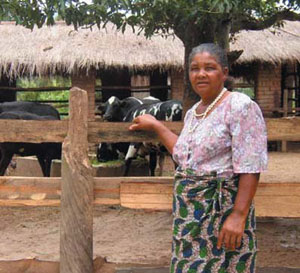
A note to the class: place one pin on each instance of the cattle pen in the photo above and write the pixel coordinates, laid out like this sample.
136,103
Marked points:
77,191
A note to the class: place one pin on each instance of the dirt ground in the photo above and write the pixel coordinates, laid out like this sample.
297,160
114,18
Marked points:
144,237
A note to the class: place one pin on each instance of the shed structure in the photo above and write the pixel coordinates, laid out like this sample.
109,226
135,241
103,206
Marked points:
125,61
119,59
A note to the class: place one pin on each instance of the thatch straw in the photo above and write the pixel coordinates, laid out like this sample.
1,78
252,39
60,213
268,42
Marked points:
61,49
272,45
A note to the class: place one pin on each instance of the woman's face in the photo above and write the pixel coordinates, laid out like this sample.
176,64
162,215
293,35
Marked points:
206,75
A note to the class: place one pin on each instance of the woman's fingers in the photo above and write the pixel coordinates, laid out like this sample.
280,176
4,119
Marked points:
239,241
229,240
220,239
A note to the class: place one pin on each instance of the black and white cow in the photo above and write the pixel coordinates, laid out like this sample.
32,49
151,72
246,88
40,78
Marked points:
170,110
112,151
115,109
167,111
45,152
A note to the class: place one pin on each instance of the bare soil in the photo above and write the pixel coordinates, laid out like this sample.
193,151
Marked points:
144,237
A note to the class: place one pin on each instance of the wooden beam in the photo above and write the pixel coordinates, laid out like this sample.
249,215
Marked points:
283,129
76,222
272,199
30,131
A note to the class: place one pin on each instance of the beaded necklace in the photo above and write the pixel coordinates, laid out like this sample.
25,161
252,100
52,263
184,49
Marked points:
204,114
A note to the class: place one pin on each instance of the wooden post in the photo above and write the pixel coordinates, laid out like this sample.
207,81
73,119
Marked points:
76,230
87,82
285,114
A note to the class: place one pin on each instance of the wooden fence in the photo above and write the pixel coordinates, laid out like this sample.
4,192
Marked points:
77,191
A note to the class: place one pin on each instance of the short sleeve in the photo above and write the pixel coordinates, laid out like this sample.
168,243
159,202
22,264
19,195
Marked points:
249,136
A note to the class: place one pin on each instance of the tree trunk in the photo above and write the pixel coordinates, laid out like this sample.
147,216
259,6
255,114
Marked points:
192,36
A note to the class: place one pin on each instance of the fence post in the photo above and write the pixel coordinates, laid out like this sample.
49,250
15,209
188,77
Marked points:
76,228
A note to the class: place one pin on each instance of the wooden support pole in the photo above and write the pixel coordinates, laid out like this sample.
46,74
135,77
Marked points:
285,114
76,230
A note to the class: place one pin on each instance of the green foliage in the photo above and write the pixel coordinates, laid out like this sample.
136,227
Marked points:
45,96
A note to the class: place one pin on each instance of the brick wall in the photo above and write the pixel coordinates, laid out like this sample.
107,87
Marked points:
177,85
268,88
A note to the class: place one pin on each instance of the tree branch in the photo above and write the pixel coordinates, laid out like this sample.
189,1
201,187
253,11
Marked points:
250,23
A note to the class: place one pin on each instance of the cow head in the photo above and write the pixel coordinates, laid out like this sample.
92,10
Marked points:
113,108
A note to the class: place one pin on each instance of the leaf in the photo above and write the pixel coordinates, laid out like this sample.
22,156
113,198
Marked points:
183,212
203,252
209,265
240,267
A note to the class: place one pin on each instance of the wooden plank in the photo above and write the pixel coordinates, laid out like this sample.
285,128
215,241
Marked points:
272,199
283,129
77,191
30,131
118,132
29,188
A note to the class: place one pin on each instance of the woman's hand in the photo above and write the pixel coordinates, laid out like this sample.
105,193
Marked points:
149,123
233,228
145,122
232,231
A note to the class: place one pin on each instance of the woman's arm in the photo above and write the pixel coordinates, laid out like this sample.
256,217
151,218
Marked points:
150,123
233,228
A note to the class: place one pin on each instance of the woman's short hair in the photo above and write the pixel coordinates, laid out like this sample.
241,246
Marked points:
214,50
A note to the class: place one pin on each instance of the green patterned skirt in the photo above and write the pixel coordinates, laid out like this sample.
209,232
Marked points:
200,207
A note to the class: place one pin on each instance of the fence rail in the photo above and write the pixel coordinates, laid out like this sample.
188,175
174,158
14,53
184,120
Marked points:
272,199
56,130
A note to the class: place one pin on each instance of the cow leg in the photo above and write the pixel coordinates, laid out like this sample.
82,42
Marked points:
161,163
48,162
42,161
6,157
152,161
131,154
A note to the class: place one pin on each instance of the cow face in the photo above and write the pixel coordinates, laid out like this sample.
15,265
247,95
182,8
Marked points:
112,110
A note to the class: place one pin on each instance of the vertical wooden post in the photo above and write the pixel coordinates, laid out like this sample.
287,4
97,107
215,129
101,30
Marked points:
285,114
76,230
87,82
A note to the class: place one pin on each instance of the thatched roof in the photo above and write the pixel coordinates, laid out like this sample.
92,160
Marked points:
60,48
272,45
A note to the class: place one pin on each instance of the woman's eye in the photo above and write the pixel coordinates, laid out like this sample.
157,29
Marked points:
210,68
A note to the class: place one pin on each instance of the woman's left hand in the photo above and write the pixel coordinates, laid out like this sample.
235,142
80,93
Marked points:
232,231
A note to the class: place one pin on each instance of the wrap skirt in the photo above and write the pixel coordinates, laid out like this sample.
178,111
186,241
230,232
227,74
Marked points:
200,207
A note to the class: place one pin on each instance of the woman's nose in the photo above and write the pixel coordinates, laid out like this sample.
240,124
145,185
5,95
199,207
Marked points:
201,73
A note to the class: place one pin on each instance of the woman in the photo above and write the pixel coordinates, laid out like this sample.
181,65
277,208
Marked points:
221,151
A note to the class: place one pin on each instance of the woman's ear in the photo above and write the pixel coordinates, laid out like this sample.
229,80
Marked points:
225,71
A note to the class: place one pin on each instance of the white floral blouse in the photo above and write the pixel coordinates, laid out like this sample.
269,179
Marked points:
231,139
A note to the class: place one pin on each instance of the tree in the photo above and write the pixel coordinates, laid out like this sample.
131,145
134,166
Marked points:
193,21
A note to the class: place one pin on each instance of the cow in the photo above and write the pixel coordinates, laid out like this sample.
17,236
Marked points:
29,107
115,109
45,152
168,111
111,151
